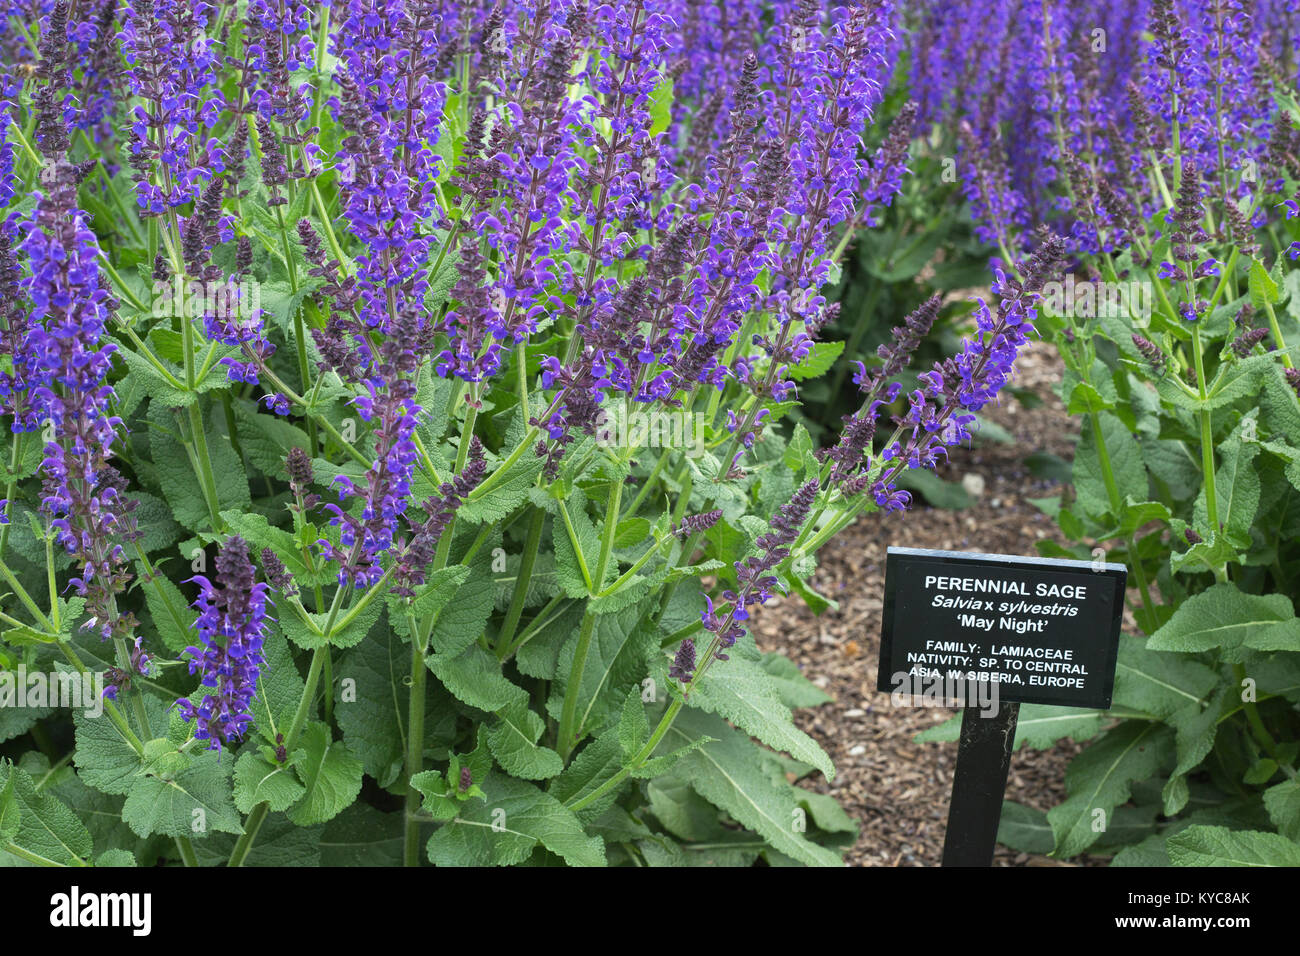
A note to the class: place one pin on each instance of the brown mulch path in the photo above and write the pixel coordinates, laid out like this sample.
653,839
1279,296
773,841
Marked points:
896,789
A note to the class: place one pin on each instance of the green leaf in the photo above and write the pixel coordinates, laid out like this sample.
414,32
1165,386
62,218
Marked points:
1210,554
791,686
1159,684
100,812
513,739
279,689
1085,399
569,562
826,812
616,659
1219,846
800,445
1039,726
279,843
505,828
631,532
1283,803
267,439
173,620
259,781
663,763
474,676
116,858
176,474
348,630
661,106
10,810
362,836
462,598
818,362
1263,290
1126,464
1236,487
260,533
938,493
1024,829
433,395
194,803
504,496
742,693
633,727
1225,617
595,763
104,759
374,719
1140,513
151,382
328,772
38,822
736,776
1101,778
539,656
154,519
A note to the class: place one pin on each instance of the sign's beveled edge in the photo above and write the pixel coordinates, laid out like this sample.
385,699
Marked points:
978,557
1117,573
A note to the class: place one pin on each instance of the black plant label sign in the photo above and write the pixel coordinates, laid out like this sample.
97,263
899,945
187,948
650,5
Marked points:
1028,630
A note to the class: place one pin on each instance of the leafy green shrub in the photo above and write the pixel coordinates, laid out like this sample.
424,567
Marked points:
396,403
1178,335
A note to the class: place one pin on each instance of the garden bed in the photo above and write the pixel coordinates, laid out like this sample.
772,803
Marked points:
896,789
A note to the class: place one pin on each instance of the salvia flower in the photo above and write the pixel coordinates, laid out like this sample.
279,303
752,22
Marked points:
277,574
414,555
698,524
683,665
755,579
64,361
116,677
1245,343
231,624
1154,355
171,63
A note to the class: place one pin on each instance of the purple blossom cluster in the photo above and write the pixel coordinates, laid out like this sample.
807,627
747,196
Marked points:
231,625
171,67
63,362
1106,102
755,583
941,411
634,201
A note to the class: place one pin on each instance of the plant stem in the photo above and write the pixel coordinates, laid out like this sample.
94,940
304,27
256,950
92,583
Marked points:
1277,334
254,821
186,849
665,722
1207,436
245,842
414,745
569,732
15,457
420,670
526,563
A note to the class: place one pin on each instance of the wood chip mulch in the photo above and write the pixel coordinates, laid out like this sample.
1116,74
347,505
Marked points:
896,789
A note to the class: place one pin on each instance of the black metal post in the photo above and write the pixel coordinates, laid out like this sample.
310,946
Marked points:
978,785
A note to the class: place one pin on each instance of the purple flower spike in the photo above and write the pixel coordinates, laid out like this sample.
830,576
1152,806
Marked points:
232,616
